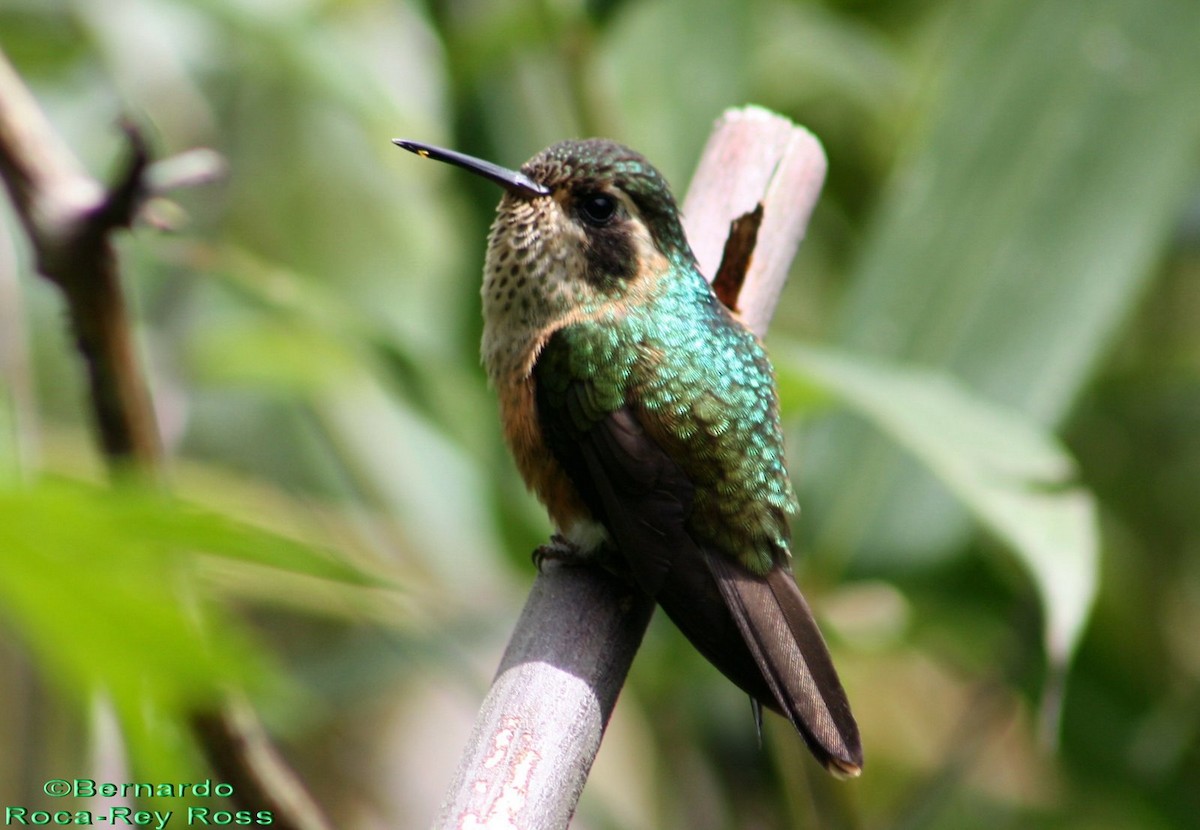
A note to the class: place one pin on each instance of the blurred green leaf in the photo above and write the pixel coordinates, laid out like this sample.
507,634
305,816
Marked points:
433,486
1016,235
1013,476
102,586
97,586
673,88
177,526
270,354
840,60
99,582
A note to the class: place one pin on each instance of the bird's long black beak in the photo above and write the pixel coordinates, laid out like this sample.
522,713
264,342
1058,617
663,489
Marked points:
511,180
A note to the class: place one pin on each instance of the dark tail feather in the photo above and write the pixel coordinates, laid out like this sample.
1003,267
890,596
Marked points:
787,646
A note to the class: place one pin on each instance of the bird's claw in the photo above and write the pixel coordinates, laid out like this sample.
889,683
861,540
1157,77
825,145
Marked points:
558,549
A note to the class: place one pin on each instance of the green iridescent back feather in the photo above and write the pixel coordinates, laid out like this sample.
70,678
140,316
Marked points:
703,384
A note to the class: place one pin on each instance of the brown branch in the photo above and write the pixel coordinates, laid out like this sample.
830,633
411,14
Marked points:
737,256
541,723
71,219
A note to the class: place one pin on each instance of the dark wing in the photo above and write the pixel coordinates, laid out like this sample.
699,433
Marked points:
756,629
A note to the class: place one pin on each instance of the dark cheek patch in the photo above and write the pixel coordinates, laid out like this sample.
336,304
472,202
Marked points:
610,254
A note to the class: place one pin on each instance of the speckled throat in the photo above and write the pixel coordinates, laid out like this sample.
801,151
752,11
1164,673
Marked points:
544,271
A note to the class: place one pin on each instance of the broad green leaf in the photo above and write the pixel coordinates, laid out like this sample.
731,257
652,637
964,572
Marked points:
1013,476
101,584
173,525
1017,235
104,603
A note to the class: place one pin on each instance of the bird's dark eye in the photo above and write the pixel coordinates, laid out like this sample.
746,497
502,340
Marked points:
597,209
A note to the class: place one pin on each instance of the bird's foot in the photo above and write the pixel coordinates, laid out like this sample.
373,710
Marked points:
559,549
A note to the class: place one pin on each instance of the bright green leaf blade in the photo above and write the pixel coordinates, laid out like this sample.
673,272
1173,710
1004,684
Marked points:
174,525
1013,243
102,587
162,525
1011,474
102,604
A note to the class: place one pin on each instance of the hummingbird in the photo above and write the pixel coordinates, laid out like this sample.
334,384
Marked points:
645,417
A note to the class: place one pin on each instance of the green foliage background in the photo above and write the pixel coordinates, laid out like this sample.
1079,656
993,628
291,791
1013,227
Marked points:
1001,279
